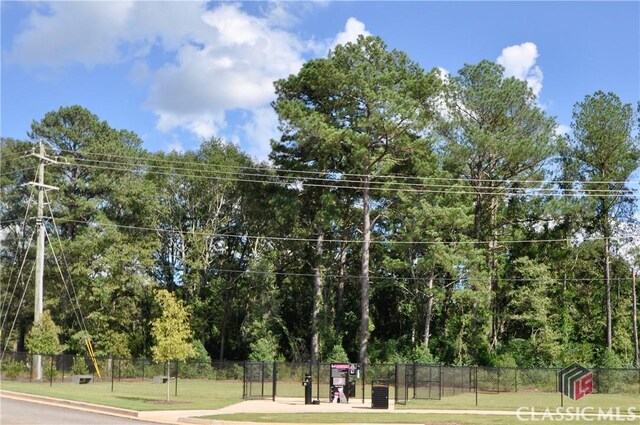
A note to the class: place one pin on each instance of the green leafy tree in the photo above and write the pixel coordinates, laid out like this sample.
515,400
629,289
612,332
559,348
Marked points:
358,111
100,211
606,153
497,138
44,336
17,235
200,202
171,331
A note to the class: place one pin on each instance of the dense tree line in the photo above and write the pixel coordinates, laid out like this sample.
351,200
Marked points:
403,215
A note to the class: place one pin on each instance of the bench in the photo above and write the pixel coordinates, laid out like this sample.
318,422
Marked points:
81,379
160,379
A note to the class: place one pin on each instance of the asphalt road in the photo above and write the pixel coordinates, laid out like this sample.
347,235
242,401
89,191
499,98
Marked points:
18,412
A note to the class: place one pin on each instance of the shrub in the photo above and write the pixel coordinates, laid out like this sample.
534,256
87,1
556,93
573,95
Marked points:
606,377
13,369
264,349
49,371
421,355
79,367
337,354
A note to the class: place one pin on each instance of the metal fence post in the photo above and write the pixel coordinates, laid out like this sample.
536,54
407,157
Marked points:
274,378
244,381
51,373
262,379
415,379
516,378
441,378
112,368
177,366
364,381
476,386
318,381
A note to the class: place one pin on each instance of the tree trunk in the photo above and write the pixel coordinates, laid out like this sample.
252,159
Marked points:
364,277
168,380
342,276
634,318
607,278
317,298
223,327
493,269
427,320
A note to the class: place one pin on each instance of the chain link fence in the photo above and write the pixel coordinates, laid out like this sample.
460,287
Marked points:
270,380
433,382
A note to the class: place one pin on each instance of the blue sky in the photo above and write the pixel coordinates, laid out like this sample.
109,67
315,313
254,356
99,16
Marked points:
178,72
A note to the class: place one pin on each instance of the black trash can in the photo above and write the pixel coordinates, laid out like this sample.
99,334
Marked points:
380,394
307,388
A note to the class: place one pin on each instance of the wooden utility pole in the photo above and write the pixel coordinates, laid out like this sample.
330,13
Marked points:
37,305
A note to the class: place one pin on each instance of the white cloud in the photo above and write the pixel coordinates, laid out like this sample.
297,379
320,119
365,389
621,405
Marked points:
62,32
519,61
233,70
175,147
261,128
352,29
199,61
562,130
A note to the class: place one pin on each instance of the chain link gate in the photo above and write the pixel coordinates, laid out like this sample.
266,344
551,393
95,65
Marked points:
402,383
427,382
259,381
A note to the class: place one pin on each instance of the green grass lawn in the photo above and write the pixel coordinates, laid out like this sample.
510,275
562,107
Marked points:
372,418
209,394
139,395
512,401
386,417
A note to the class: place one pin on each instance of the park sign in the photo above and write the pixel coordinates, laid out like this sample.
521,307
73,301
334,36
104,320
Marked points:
575,382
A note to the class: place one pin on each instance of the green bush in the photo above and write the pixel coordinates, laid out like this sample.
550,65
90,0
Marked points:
79,367
421,355
127,369
337,354
13,369
198,365
265,349
606,376
234,371
50,372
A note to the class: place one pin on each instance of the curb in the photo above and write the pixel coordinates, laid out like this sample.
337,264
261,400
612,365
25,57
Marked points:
71,403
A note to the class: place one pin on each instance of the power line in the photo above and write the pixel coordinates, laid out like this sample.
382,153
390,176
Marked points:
322,173
294,239
506,191
410,278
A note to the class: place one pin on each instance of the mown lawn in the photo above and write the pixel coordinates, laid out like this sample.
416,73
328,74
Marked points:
140,395
400,418
513,401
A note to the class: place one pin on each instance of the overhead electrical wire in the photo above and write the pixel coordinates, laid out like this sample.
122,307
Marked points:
72,297
321,173
408,278
15,319
22,230
445,189
294,239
